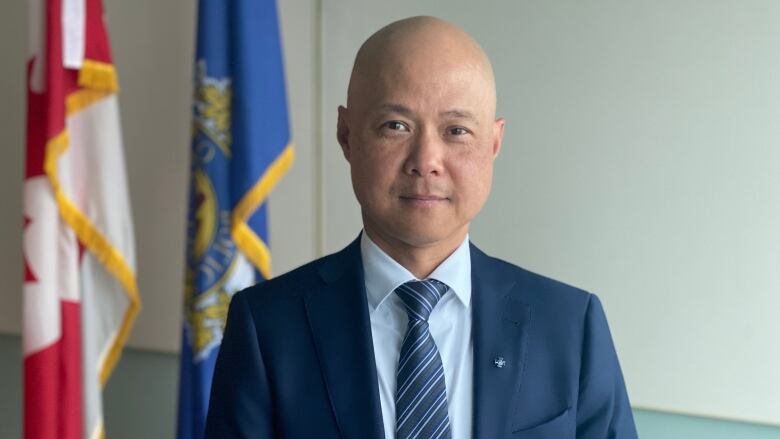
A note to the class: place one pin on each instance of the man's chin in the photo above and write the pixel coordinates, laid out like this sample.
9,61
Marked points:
429,237
413,232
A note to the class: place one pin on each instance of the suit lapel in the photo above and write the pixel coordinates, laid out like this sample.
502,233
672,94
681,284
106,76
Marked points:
340,325
500,330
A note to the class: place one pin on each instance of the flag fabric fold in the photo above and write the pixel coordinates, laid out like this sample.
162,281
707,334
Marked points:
80,292
240,149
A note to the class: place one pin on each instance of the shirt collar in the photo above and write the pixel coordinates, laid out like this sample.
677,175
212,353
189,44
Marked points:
383,274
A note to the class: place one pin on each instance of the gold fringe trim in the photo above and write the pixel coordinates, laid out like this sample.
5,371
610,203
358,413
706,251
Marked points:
99,432
82,99
98,80
98,75
245,238
99,245
253,248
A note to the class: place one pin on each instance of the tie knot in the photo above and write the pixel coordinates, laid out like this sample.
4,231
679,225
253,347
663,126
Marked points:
421,296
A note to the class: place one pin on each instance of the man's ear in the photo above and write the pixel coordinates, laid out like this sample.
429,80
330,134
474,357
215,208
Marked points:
498,135
342,132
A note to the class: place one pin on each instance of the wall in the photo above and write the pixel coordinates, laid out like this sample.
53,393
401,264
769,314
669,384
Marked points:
639,163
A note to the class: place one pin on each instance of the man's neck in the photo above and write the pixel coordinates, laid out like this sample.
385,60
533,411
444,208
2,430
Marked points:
421,261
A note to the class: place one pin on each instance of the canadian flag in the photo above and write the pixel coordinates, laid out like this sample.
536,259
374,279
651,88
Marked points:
80,293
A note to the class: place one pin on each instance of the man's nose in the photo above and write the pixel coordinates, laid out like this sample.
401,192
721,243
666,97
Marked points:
425,154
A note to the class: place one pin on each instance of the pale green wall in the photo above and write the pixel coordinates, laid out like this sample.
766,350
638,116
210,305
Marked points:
659,425
140,401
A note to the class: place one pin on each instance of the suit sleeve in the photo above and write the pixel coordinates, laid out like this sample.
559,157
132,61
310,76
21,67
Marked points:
240,404
603,410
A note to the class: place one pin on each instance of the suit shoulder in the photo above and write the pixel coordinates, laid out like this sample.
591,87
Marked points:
543,288
285,286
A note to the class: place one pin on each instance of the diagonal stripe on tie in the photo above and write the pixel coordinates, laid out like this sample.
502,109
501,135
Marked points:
421,394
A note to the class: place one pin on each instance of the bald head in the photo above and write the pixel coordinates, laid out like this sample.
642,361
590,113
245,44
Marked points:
420,134
417,44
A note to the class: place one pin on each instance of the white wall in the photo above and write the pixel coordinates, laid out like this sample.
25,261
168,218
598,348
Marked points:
641,162
13,34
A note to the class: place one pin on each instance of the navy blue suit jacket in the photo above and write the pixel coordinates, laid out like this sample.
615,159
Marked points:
297,358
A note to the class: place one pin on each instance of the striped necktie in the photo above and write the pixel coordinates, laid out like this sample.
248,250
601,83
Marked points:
421,395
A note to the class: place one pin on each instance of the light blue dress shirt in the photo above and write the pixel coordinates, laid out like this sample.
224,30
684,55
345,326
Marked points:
450,326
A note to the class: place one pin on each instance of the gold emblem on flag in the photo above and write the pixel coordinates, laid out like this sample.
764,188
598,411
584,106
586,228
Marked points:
212,254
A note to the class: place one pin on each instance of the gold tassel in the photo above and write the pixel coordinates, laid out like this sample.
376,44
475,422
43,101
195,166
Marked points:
97,75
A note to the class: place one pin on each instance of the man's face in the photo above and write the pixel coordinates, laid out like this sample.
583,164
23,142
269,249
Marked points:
420,137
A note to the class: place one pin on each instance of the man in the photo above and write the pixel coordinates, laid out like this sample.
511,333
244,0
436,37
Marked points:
411,331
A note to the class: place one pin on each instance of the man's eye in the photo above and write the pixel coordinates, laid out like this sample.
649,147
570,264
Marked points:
396,125
458,131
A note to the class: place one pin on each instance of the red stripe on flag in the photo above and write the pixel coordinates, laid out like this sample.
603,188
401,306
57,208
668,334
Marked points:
46,110
97,46
52,384
36,135
54,100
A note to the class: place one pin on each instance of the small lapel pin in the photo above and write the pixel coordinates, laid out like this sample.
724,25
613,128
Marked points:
499,362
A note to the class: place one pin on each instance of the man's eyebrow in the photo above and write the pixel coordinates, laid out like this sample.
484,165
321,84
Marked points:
400,109
458,114
393,108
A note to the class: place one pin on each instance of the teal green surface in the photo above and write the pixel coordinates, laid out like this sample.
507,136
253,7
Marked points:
659,425
140,401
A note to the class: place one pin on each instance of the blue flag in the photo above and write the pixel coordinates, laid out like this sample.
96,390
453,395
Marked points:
240,149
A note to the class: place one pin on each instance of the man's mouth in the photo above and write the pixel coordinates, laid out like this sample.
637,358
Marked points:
422,197
423,200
